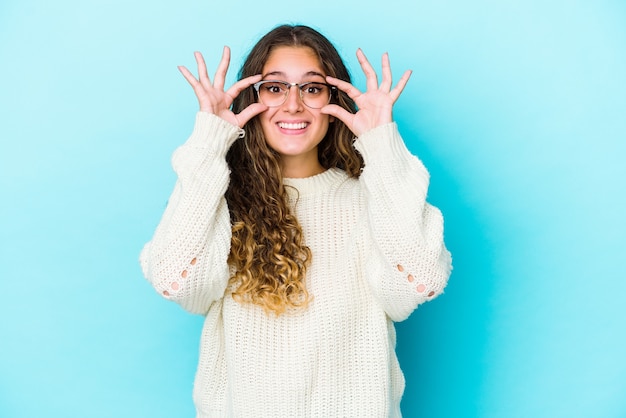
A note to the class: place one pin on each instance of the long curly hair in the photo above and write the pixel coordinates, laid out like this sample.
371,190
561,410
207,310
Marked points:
268,253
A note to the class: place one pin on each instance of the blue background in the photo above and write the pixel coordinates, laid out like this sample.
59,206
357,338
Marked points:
517,108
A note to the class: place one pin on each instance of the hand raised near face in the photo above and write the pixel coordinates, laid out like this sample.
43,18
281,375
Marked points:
375,104
211,95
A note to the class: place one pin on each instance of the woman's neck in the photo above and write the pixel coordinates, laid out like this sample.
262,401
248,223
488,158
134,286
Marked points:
300,168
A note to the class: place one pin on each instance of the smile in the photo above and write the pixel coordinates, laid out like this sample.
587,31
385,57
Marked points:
299,125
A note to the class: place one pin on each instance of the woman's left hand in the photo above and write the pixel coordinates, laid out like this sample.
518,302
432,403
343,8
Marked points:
375,105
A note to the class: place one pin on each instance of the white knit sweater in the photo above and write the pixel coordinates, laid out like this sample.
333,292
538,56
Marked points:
378,252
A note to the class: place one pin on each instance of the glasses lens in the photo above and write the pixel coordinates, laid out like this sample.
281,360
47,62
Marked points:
272,93
315,95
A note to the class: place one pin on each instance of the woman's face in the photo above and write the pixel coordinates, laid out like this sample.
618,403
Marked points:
292,129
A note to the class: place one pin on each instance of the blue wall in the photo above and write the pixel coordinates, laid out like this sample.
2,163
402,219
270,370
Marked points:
517,107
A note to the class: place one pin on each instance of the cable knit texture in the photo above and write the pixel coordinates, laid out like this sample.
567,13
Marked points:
378,252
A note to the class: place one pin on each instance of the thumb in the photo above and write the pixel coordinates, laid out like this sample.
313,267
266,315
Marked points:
249,112
339,113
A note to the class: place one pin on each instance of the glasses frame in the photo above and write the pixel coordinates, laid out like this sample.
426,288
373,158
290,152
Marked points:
289,85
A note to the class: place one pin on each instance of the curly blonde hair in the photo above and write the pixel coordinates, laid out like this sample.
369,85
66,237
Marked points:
268,252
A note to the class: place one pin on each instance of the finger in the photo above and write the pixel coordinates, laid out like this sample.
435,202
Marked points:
203,76
222,69
370,74
242,84
249,112
395,93
387,78
340,113
344,86
191,79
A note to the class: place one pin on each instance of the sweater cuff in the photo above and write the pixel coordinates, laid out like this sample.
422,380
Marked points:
382,143
213,133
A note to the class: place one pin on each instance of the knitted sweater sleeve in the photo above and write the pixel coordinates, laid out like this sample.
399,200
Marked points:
186,260
407,261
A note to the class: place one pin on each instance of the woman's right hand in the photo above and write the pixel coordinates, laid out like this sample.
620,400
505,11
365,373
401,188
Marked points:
212,97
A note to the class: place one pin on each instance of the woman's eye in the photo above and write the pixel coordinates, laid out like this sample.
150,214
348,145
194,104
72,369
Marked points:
275,88
314,89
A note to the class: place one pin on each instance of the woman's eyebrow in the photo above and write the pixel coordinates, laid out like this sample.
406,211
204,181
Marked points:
282,74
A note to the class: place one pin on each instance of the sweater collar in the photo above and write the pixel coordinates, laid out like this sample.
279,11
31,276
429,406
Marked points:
318,183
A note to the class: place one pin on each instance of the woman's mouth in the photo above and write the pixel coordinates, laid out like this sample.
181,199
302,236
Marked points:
291,126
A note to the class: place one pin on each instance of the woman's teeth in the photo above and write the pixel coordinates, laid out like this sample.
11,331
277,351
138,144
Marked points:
285,125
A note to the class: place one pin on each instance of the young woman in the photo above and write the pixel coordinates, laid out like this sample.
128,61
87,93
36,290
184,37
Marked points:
300,243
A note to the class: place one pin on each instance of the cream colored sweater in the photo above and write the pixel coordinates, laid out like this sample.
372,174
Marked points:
378,252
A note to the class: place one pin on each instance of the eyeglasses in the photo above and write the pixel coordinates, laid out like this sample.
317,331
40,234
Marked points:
274,93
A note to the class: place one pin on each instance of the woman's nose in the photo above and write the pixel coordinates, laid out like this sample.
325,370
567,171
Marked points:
294,101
